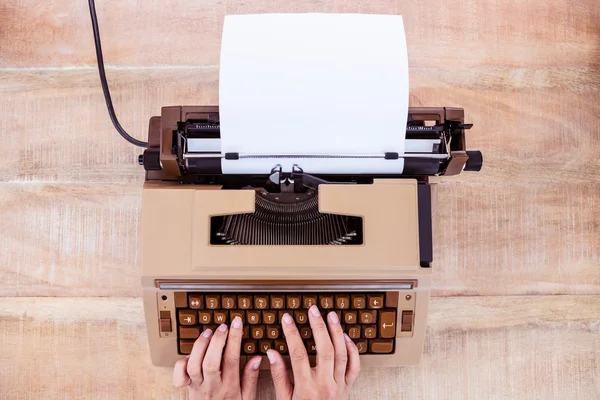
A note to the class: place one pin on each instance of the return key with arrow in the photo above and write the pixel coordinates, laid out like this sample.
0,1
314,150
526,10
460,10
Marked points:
387,324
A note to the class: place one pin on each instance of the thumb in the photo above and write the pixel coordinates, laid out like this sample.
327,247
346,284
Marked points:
281,380
250,378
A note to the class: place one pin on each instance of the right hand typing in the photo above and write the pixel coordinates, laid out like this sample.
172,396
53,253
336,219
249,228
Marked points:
337,365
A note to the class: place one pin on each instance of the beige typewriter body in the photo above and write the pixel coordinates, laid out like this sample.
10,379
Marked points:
180,261
176,251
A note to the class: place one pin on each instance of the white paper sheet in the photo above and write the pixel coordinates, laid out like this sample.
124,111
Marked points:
313,84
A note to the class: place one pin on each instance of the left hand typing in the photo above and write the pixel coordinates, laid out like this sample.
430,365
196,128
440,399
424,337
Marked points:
202,372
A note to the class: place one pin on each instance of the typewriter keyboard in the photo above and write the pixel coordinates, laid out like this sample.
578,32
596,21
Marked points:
368,318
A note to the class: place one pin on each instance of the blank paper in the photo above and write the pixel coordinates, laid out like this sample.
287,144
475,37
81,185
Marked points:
313,84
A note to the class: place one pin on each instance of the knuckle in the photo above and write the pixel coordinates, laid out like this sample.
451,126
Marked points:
342,358
251,378
231,359
193,370
210,366
320,325
328,355
298,354
278,376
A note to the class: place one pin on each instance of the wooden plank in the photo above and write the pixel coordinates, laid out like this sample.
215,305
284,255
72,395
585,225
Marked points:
455,34
479,347
55,126
83,240
519,239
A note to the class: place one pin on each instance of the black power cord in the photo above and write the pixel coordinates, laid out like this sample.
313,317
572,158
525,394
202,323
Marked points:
100,59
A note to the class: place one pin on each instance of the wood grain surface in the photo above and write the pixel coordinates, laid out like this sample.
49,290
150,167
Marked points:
534,347
517,246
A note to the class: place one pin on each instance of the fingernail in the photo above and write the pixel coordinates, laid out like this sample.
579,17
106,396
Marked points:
188,356
347,338
314,310
222,328
287,318
256,364
207,333
271,356
237,323
333,317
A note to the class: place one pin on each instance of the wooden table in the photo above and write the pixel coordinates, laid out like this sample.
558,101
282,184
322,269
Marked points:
517,259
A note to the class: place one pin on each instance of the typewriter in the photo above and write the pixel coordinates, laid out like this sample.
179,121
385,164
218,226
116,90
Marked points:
216,246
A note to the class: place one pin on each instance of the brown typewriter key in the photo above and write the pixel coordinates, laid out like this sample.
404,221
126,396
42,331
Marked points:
362,345
189,333
272,332
358,301
237,313
277,301
205,317
381,346
293,302
185,346
367,317
249,346
181,300
196,302
350,317
301,317
246,332
269,317
326,302
187,317
265,345
308,300
245,302
257,332
342,301
211,327
375,301
220,317
311,347
213,301
387,324
305,332
261,302
253,317
281,346
369,332
228,301
353,332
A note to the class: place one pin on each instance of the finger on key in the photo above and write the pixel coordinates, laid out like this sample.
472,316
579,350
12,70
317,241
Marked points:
194,365
250,378
325,350
212,360
298,355
231,361
339,344
281,379
180,375
353,361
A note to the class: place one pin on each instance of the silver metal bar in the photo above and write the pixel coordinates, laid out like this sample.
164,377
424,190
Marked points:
199,145
412,155
217,287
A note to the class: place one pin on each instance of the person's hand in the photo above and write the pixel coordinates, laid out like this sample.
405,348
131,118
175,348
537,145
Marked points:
337,361
202,371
